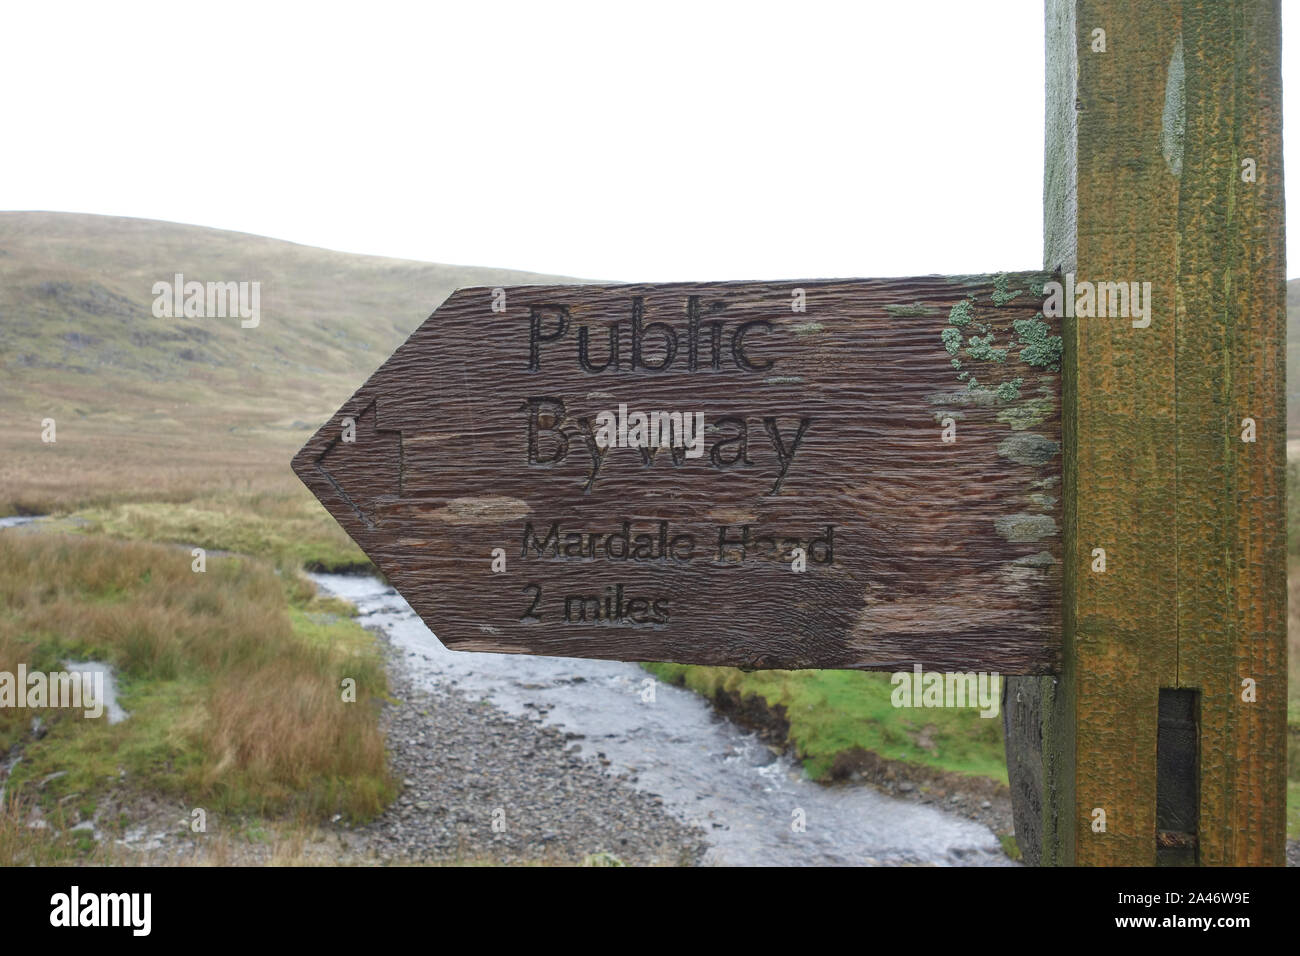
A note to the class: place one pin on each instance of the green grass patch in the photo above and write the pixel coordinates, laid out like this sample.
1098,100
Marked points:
832,712
1009,846
1293,809
1293,507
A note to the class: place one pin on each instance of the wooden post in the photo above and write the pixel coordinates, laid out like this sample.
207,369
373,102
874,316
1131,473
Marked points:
1163,739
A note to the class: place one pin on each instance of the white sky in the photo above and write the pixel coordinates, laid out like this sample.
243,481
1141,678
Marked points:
612,140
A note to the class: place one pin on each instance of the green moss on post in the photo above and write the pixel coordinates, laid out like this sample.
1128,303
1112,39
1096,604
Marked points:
1144,142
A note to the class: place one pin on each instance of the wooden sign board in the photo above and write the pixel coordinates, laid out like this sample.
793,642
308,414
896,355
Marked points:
821,474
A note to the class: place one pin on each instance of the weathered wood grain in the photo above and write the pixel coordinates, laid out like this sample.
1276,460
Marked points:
1231,358
1150,133
1122,628
944,554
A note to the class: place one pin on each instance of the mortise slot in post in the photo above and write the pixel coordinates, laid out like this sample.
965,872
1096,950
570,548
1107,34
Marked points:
1177,777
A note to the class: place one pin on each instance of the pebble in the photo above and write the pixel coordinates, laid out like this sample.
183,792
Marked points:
481,785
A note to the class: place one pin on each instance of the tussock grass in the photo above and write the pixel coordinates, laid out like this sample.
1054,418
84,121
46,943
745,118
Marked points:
289,528
232,678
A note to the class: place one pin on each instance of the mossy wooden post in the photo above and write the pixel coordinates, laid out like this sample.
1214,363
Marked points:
1164,165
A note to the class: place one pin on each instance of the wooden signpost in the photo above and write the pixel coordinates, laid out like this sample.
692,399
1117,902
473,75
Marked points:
1072,475
1164,163
860,474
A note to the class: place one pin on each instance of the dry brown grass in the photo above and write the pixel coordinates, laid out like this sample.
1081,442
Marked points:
107,462
233,704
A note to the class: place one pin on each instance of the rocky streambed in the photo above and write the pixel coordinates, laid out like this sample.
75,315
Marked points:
512,759
522,758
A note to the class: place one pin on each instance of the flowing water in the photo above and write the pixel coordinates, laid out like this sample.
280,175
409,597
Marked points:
707,770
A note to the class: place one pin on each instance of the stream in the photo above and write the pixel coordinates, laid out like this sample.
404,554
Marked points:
708,771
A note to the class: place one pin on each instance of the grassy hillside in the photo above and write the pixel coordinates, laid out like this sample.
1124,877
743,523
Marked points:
163,409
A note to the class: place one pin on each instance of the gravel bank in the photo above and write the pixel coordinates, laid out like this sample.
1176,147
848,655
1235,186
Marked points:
479,784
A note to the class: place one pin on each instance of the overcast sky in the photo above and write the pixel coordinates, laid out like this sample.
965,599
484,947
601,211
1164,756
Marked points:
646,141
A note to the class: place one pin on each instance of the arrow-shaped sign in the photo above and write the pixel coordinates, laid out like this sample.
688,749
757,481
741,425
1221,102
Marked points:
852,474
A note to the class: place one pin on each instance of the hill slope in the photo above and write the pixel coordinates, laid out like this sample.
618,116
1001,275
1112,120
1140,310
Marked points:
160,407
164,409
